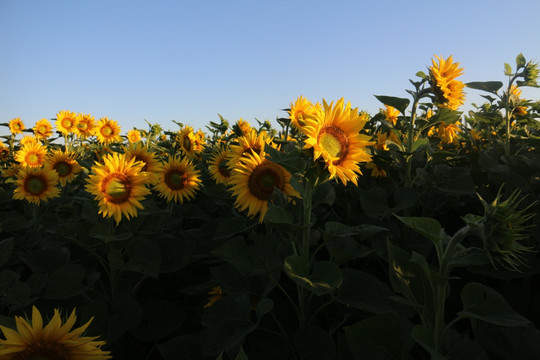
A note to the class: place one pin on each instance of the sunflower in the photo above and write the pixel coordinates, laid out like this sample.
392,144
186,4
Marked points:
107,131
242,127
42,129
32,155
516,91
300,108
4,151
448,91
376,171
217,166
335,137
254,180
251,143
119,185
54,341
16,126
28,140
178,180
66,122
85,126
12,170
65,165
390,114
150,163
214,295
448,133
134,135
36,184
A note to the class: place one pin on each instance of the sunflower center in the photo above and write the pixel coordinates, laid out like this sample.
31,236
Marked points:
176,179
35,185
223,169
187,143
333,141
262,181
82,126
117,187
67,123
106,131
42,351
63,168
32,159
42,129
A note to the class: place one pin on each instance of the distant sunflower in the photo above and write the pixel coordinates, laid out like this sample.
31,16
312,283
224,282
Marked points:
56,341
253,181
391,114
448,132
32,155
242,127
12,170
43,129
178,180
301,108
119,185
217,166
107,131
16,126
66,122
335,137
134,136
4,151
448,91
140,153
85,126
252,143
186,139
36,184
28,140
65,165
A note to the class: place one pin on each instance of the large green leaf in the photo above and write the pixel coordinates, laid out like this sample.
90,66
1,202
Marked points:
489,86
325,278
483,303
144,257
428,227
313,343
399,103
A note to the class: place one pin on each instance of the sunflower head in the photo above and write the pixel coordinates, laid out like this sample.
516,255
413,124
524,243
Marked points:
151,164
65,165
448,91
390,114
134,136
85,125
32,155
448,133
56,340
119,186
217,166
178,180
302,108
43,129
36,184
251,143
66,122
107,131
241,127
335,138
16,126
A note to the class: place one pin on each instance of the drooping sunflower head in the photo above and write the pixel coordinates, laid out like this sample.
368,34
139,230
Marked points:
65,165
16,126
119,186
134,136
85,126
448,91
43,129
336,138
56,340
107,131
151,164
66,122
32,155
253,181
178,180
189,144
217,166
302,108
36,184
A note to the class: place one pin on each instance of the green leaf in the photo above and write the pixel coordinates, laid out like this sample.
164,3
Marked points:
446,116
45,260
324,194
313,343
159,319
241,355
419,143
428,227
6,248
127,314
489,86
65,282
398,103
507,69
183,347
374,203
381,337
326,276
144,257
226,228
278,215
520,61
424,337
483,303
422,75
175,252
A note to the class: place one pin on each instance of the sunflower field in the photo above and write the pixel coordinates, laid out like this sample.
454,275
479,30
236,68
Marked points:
412,233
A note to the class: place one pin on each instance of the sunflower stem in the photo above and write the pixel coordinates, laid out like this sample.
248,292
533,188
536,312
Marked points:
306,235
410,141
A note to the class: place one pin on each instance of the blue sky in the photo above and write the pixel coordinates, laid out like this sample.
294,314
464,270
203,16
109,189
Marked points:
190,60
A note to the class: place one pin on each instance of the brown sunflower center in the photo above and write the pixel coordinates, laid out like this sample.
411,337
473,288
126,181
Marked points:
42,129
43,351
117,188
17,126
187,143
63,168
333,141
67,123
82,126
106,131
223,169
262,181
35,185
176,179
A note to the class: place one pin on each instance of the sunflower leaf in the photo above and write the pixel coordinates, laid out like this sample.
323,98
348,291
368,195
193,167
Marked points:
428,227
398,103
489,86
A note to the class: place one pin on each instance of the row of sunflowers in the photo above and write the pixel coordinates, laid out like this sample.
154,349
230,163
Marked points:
195,229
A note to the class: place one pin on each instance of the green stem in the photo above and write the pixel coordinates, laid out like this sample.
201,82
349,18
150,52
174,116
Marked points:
304,251
410,141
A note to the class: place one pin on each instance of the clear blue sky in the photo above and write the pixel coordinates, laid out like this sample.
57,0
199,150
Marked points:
190,60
